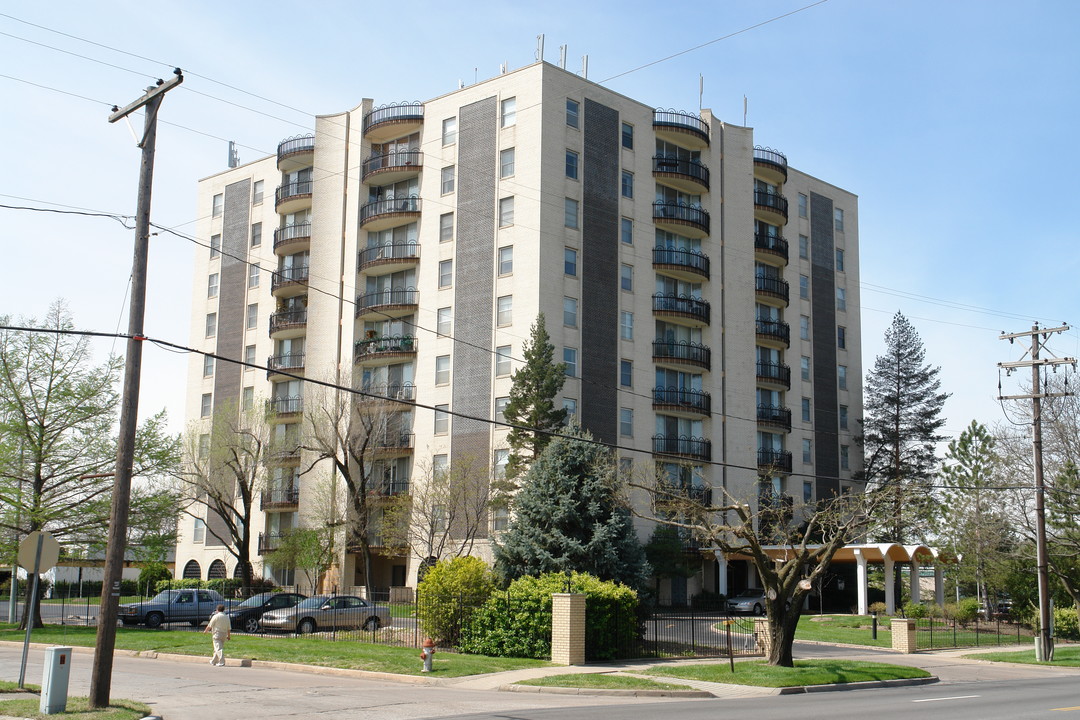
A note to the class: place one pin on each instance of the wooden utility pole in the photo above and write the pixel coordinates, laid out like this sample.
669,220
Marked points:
101,674
1044,648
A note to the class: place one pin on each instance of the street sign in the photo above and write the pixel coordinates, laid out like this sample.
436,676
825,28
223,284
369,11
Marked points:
50,551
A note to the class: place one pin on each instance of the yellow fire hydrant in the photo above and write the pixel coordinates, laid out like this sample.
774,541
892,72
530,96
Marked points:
426,653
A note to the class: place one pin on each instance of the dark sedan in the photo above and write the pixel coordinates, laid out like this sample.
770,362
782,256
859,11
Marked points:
246,615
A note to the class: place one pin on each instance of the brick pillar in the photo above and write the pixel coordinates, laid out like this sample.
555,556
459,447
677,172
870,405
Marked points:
761,635
903,635
568,629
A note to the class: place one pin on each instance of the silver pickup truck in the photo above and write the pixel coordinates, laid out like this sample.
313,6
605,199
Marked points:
172,606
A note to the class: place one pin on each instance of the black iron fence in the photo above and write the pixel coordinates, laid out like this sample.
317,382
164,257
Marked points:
935,633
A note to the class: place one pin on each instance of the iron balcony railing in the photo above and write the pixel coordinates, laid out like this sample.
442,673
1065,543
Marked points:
289,363
393,251
390,391
678,166
296,144
774,415
771,200
681,212
386,161
383,344
685,121
394,112
292,190
774,372
280,497
772,244
287,319
772,286
285,405
693,447
289,276
768,156
394,441
775,330
388,488
777,460
290,233
388,206
682,350
682,304
268,542
390,296
701,494
694,260
694,400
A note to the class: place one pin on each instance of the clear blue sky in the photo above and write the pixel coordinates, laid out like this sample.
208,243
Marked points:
955,123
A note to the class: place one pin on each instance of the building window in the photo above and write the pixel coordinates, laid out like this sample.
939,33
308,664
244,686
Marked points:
247,398
626,277
628,136
440,464
843,417
841,376
807,451
569,312
804,327
212,286
626,422
500,408
807,491
498,465
257,192
506,260
571,165
626,325
207,366
838,219
448,175
841,298
506,163
211,324
442,419
839,260
446,227
627,184
569,357
845,463
502,361
215,246
449,131
509,112
253,276
446,273
806,409
442,370
506,211
570,213
206,405
505,312
570,262
570,406
626,231
573,112
204,446
803,203
804,287
198,534
626,373
500,519
804,247
841,337
252,316
219,205
256,234
804,368
249,354
443,321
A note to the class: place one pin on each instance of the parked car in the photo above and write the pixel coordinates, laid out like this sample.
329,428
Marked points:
172,606
324,612
748,601
246,615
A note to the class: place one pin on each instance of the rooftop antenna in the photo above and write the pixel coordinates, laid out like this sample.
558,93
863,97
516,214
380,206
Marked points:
234,155
585,66
502,68
562,56
540,47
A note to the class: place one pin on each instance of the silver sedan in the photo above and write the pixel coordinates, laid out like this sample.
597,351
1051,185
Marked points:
324,612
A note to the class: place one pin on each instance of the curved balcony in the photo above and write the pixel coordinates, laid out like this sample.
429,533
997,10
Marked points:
295,153
774,416
683,446
682,218
683,263
384,350
682,128
389,168
279,499
382,214
401,256
770,207
269,542
690,176
292,238
682,353
288,324
773,333
682,401
388,392
770,165
771,461
393,445
387,304
387,122
770,248
701,494
772,289
290,281
292,197
292,364
683,307
774,375
285,408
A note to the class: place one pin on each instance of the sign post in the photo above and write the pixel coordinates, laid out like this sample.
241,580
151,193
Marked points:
38,551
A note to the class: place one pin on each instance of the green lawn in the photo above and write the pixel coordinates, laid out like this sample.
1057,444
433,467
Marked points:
10,686
602,681
849,629
1064,655
77,709
805,672
307,650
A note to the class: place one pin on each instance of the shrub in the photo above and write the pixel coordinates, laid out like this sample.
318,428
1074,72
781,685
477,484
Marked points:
935,611
966,610
880,608
914,610
449,594
152,573
1066,623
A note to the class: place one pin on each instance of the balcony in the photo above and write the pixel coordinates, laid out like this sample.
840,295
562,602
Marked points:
391,391
770,165
389,212
682,352
293,197
401,256
389,168
770,207
393,120
284,408
679,217
290,364
773,333
393,444
682,307
690,176
772,461
279,498
295,153
380,350
290,281
774,375
769,248
682,446
700,494
774,416
292,238
681,401
387,304
269,542
389,488
772,289
288,324
683,263
682,128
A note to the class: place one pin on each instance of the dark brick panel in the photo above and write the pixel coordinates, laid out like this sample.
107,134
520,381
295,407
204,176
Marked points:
823,324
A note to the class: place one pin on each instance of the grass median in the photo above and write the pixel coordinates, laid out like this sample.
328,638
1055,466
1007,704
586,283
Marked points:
847,629
1064,656
602,681
805,672
77,707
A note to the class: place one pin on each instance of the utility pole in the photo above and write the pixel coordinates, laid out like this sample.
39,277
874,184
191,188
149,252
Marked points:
1044,646
101,674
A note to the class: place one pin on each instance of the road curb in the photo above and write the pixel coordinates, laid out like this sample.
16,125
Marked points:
606,692
865,685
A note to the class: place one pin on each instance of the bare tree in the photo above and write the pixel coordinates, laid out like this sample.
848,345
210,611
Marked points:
312,548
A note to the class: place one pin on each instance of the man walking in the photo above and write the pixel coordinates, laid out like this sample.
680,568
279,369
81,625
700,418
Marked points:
221,630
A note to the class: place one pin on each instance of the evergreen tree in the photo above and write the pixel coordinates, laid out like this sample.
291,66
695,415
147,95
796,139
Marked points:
902,423
568,517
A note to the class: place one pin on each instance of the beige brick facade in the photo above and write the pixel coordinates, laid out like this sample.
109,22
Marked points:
903,635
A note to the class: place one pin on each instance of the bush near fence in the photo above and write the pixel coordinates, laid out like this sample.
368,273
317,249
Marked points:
228,587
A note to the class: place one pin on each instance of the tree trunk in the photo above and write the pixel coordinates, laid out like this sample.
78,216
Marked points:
782,626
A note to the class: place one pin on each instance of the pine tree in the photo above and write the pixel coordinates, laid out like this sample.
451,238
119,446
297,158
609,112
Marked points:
568,517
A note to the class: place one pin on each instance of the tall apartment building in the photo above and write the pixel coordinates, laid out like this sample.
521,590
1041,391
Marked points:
411,246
